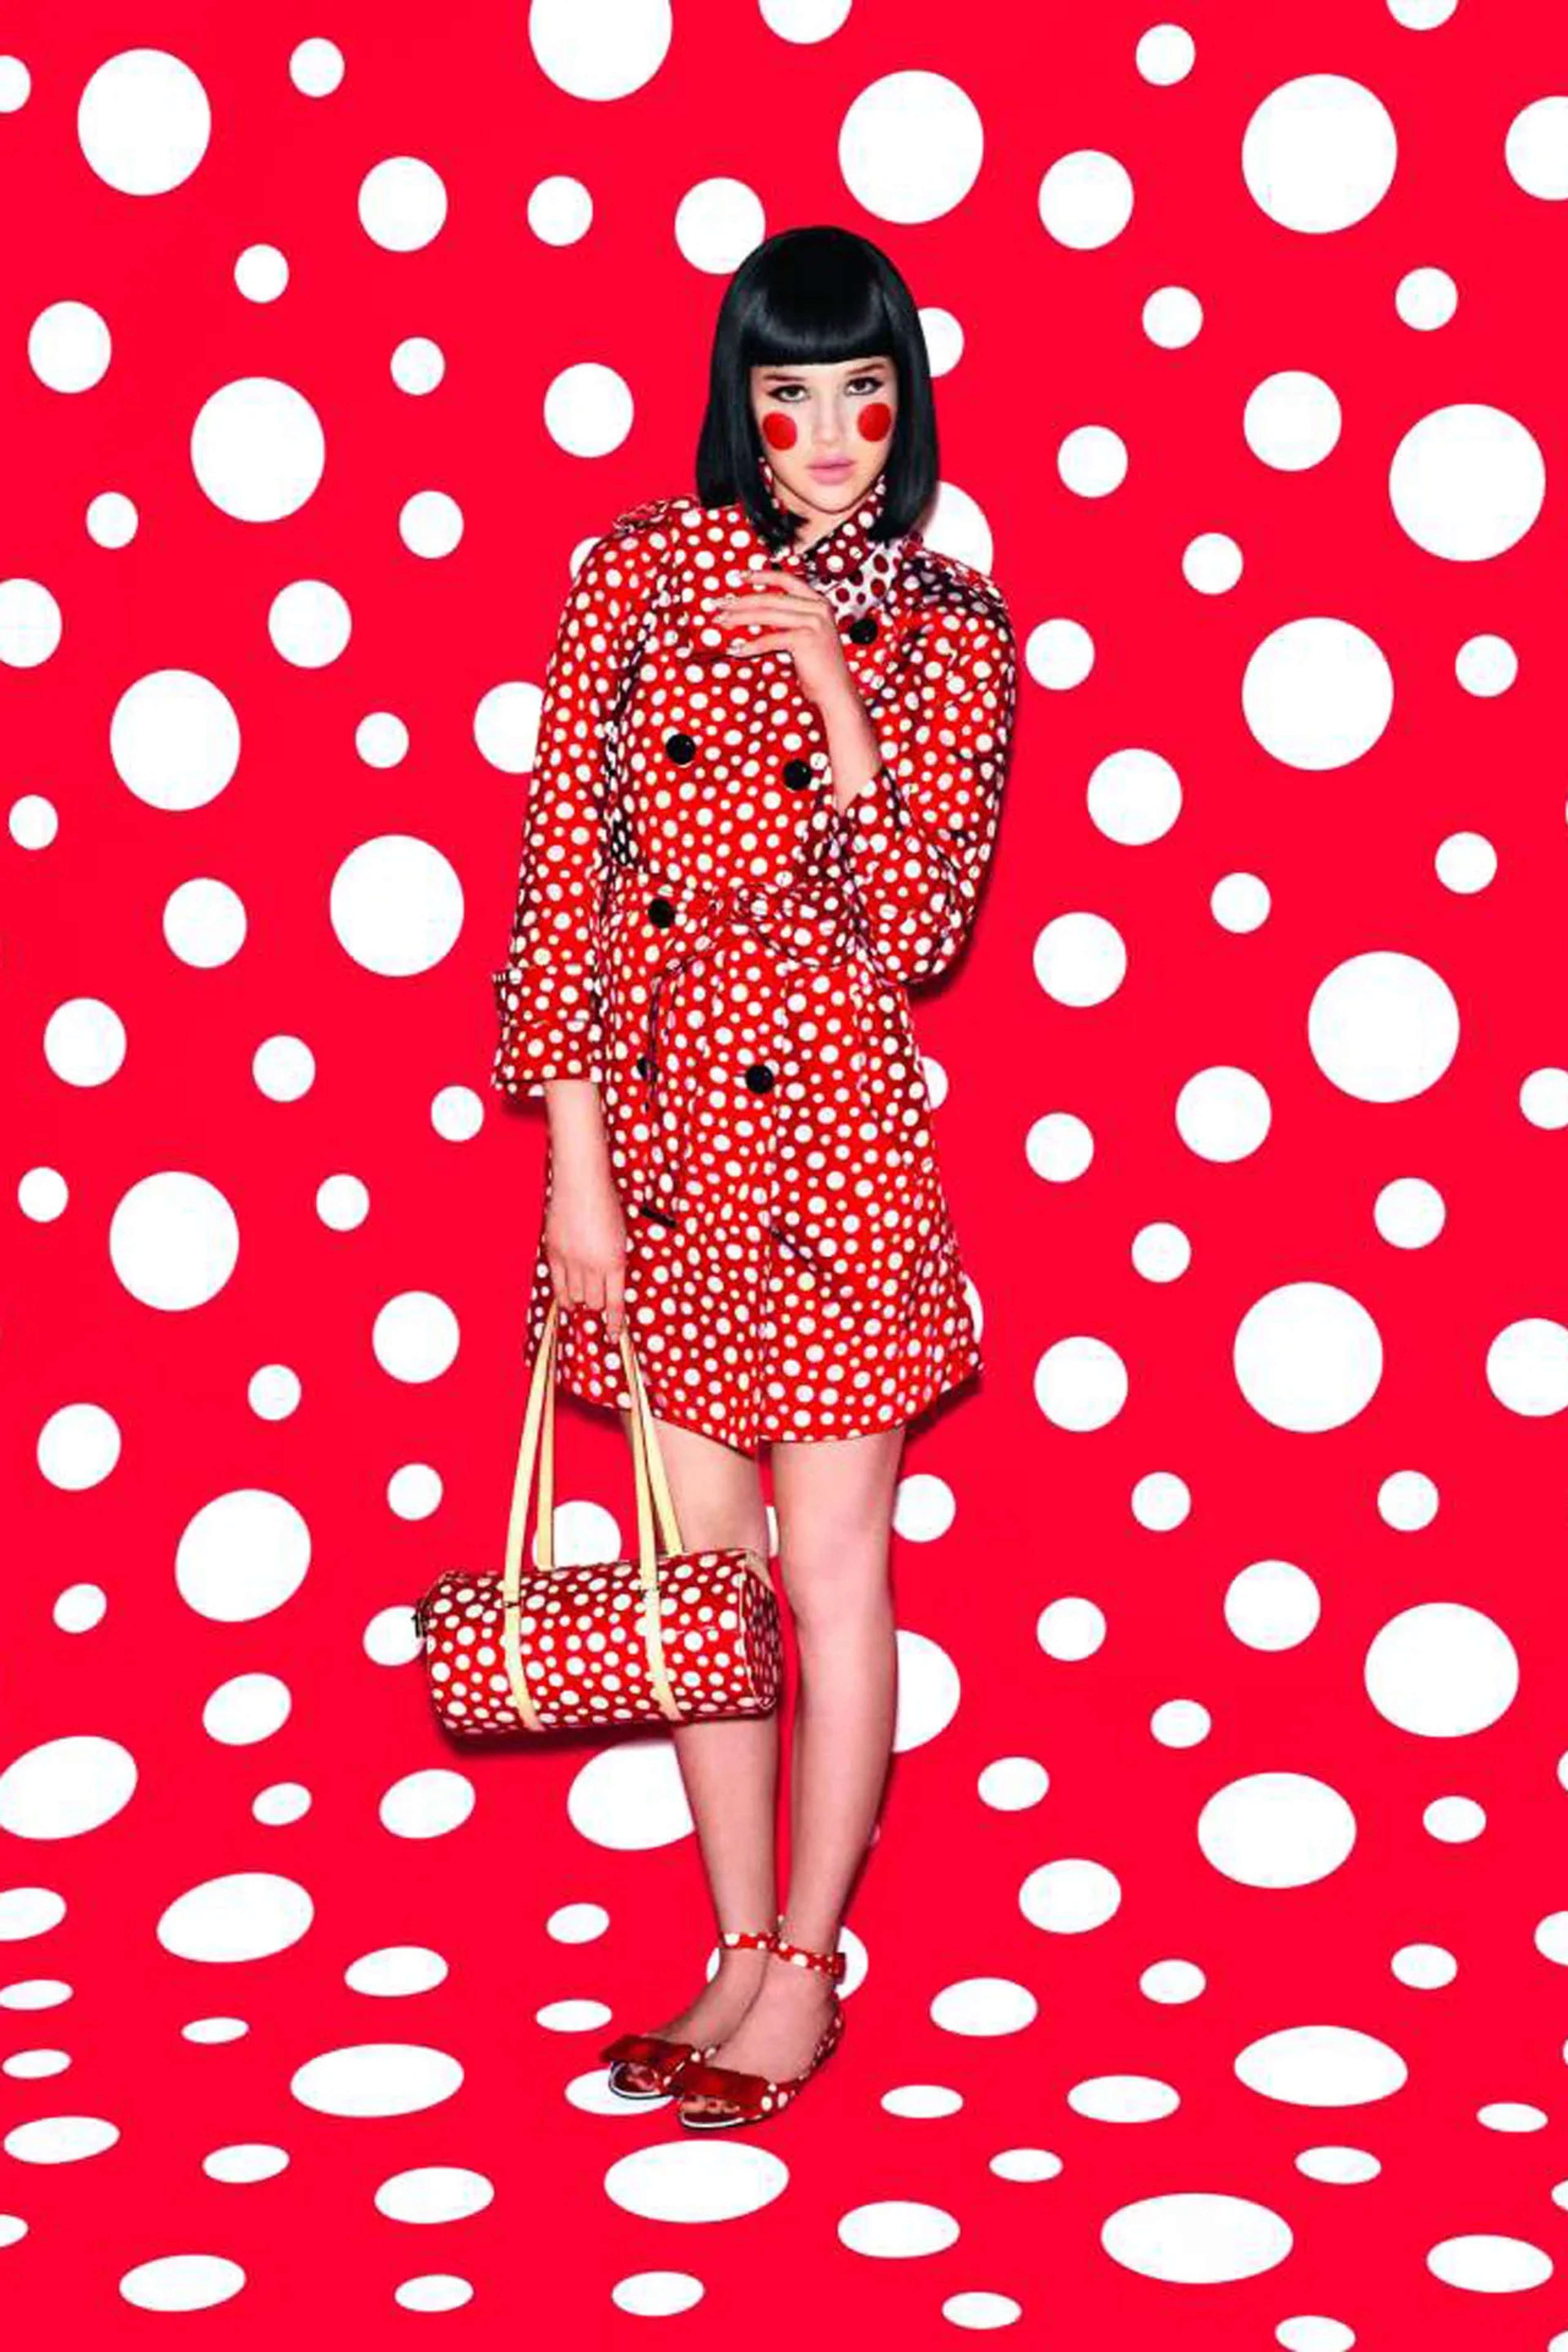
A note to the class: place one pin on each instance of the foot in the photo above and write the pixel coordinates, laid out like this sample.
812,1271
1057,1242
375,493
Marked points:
779,2031
717,2010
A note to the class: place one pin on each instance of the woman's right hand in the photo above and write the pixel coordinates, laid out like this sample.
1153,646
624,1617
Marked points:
586,1243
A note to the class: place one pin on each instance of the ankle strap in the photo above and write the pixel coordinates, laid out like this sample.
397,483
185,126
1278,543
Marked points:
747,1938
831,1964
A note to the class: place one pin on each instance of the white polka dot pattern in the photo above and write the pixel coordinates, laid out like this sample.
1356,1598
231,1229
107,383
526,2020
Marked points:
727,955
583,1650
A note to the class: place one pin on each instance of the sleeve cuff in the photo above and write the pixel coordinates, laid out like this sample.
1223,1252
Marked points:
872,804
549,1042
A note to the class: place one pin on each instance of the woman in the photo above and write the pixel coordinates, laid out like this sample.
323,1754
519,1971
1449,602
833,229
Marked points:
769,768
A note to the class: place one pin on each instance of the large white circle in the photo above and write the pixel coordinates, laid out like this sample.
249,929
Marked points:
588,409
1384,1026
1081,959
68,347
173,1240
143,121
1527,1367
1308,1356
242,1554
1318,692
396,905
173,737
258,449
599,49
1086,199
1080,1383
248,1915
910,145
64,1788
403,203
1466,481
1319,153
1223,1114
1536,149
1196,2238
1442,1670
1277,1828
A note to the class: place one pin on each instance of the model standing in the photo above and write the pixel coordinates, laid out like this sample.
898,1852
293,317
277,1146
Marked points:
770,755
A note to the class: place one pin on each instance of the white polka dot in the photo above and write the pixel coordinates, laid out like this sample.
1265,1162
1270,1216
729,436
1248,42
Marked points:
402,204
1527,1366
910,146
1467,481
143,121
1382,1026
258,449
599,49
1319,153
1317,693
1536,148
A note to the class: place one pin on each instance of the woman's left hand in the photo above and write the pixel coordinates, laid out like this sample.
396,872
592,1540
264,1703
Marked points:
794,619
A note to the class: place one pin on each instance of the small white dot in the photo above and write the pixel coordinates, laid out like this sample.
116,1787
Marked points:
1466,862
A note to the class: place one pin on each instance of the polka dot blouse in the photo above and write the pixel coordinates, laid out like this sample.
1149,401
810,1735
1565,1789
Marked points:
727,955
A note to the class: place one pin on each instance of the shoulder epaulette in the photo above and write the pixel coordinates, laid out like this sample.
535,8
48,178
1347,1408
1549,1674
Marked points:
653,510
949,579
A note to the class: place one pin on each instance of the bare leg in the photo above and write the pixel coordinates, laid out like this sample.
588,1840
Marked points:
729,1766
833,1499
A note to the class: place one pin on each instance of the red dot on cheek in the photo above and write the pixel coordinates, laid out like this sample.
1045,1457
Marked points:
875,421
779,430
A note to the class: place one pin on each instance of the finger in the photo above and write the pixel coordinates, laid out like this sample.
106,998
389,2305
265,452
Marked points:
776,572
769,600
614,1302
768,617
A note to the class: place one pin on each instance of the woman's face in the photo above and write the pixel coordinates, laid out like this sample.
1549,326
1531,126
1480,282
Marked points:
826,431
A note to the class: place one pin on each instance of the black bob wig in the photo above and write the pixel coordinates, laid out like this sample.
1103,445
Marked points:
805,298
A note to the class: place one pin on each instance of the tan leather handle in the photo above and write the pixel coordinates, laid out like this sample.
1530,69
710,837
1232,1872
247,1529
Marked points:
652,1499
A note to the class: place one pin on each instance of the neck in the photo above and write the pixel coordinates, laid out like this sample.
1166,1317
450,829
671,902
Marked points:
819,521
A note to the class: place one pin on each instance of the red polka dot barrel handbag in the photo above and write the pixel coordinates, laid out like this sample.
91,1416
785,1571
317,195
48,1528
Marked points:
673,1637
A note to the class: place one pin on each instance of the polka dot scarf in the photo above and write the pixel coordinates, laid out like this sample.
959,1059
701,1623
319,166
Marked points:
846,565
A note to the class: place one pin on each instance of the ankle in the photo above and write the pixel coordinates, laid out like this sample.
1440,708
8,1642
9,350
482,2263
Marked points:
813,1938
744,1944
742,1960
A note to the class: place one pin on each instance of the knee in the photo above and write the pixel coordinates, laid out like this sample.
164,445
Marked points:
830,1591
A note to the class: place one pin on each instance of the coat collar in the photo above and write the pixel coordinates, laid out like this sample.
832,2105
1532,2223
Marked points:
856,574
850,569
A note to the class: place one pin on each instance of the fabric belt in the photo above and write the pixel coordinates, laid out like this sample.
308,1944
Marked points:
809,924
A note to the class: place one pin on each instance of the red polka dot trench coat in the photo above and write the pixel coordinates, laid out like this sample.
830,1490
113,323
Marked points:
728,956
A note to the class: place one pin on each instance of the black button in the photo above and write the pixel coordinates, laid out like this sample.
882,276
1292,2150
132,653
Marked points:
797,775
681,748
644,1066
660,911
864,630
759,1078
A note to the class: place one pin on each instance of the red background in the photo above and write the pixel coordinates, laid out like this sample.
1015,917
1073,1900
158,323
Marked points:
1054,340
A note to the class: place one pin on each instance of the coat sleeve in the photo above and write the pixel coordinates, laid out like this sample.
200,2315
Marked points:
916,842
547,993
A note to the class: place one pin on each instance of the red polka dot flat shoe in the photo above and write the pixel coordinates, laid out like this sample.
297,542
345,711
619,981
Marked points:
656,2054
752,2098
